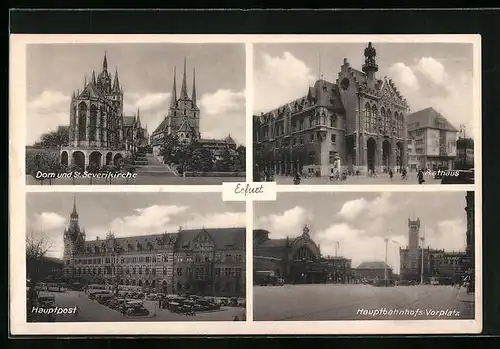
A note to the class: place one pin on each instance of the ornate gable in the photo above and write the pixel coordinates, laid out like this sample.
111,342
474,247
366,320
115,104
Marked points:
389,93
203,239
90,91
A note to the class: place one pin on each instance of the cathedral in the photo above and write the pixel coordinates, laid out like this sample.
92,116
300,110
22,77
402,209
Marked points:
356,124
204,261
99,132
183,120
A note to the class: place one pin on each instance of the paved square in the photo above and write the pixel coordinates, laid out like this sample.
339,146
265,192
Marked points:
354,302
358,180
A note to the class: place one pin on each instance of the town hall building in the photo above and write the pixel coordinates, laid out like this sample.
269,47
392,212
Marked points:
99,132
356,124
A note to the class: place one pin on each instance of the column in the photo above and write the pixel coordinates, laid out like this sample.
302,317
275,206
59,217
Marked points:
393,158
105,129
404,156
365,156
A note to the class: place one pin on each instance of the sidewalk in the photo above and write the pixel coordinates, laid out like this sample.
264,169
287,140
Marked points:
463,296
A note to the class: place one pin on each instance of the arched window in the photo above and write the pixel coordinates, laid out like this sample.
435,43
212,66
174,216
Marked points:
382,119
82,121
388,120
93,123
368,116
374,124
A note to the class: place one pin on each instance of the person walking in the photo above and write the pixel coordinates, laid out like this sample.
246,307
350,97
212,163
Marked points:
420,177
390,174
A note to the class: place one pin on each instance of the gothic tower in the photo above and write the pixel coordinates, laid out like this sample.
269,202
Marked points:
370,67
413,233
74,241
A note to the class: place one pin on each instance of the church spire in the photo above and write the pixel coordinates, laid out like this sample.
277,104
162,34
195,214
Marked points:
184,94
138,121
193,95
84,81
74,213
105,62
173,98
116,82
93,77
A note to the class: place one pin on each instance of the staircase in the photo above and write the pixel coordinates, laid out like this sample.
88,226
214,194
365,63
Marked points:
149,164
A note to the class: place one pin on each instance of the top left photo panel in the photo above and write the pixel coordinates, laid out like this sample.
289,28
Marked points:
135,113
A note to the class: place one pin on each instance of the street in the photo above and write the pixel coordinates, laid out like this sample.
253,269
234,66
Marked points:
322,302
357,180
92,311
141,180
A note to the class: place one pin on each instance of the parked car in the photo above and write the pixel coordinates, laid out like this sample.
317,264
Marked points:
464,177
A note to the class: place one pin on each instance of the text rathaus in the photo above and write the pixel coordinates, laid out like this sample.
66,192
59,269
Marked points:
356,124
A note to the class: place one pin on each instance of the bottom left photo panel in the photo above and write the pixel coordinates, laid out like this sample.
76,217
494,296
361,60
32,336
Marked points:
118,257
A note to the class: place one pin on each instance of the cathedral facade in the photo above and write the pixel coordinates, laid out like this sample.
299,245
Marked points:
183,121
99,132
356,124
203,261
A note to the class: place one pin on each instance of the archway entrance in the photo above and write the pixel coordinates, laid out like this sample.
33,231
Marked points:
64,158
79,160
386,153
371,149
109,158
117,159
95,158
399,155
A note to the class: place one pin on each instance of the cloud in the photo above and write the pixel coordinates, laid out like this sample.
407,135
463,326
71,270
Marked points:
404,75
278,80
222,114
47,111
223,101
289,223
49,221
351,209
448,235
427,83
149,220
219,220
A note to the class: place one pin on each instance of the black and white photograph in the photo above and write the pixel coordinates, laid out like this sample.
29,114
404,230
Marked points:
134,257
364,113
364,256
135,113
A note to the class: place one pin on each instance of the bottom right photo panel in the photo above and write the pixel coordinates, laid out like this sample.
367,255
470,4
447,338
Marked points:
364,256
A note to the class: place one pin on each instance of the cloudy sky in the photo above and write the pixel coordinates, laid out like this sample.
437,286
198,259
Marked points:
47,214
146,75
428,74
361,221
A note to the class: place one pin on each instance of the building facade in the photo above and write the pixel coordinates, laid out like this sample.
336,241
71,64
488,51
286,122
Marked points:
373,271
448,267
434,138
99,132
202,261
356,124
470,246
297,260
465,153
183,120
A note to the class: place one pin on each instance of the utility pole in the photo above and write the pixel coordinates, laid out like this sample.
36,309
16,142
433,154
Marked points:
422,266
386,240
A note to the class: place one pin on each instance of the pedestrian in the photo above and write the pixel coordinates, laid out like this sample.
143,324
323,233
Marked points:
390,173
420,177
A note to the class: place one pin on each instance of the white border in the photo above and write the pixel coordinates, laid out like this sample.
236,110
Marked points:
18,188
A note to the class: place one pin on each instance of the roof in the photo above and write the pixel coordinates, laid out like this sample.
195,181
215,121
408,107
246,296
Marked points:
222,237
428,118
373,265
208,141
273,243
162,127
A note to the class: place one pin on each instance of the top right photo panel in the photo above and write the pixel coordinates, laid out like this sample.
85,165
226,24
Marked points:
392,113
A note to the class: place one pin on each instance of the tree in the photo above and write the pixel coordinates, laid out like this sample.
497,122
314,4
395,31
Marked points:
226,163
44,163
171,149
36,251
202,160
54,139
127,166
240,161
